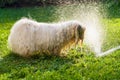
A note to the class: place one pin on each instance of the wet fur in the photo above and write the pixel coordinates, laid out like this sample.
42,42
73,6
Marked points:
29,37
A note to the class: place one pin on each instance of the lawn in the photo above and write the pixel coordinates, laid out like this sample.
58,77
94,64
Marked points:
76,66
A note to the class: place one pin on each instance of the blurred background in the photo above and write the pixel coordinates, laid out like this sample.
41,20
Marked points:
24,3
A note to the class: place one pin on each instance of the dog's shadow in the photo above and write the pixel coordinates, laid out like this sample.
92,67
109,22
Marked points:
36,63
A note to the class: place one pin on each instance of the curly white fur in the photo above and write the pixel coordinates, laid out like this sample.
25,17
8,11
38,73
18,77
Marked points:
27,37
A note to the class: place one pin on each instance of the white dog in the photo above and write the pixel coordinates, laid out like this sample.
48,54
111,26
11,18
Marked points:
29,37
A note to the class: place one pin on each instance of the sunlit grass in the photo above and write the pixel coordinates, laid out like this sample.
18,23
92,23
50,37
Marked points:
112,33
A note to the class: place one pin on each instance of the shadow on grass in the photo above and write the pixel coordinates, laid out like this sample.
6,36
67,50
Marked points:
13,64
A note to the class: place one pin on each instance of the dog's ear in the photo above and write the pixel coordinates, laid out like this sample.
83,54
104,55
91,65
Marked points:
79,34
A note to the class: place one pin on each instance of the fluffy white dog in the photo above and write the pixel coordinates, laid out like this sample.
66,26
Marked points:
28,37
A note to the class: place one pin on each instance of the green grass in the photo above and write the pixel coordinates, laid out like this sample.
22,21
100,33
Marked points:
76,66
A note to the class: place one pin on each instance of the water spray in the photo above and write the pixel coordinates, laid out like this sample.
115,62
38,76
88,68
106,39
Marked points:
108,52
88,15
